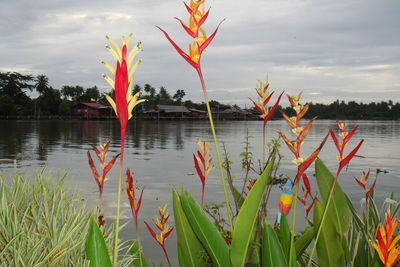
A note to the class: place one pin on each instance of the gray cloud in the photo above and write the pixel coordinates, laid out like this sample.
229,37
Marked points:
328,49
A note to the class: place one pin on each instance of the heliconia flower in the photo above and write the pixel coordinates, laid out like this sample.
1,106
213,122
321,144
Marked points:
251,184
124,71
202,163
386,245
285,200
105,166
301,133
340,145
262,101
197,17
363,183
306,188
162,225
132,191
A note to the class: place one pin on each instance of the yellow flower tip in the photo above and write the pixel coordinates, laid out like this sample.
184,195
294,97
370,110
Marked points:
298,161
297,131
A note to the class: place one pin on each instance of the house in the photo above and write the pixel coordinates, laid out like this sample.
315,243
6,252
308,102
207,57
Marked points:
167,112
93,110
234,114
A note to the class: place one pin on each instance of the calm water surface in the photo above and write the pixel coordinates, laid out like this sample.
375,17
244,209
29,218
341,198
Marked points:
160,154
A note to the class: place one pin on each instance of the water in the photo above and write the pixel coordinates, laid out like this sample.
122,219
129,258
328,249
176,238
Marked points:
160,154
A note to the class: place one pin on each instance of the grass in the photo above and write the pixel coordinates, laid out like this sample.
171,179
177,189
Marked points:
41,222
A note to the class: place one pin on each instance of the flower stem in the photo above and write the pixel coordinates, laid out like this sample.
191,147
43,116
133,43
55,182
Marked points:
221,170
121,162
322,221
296,193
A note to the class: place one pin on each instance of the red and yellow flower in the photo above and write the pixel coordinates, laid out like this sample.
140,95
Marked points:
301,133
342,142
202,163
262,101
105,166
124,72
197,17
132,191
363,181
165,230
386,245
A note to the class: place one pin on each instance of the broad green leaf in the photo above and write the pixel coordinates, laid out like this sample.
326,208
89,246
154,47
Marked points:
237,195
96,248
205,231
192,252
285,238
272,253
140,260
246,219
329,245
303,241
338,208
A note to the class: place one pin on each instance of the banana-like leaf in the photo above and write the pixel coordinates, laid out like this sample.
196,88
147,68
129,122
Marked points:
329,245
285,238
272,253
303,241
338,208
96,248
205,231
191,250
140,260
246,219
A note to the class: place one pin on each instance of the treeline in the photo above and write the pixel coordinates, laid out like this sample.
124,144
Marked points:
51,101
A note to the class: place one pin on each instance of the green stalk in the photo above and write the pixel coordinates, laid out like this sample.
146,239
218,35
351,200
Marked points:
296,194
121,162
221,170
322,221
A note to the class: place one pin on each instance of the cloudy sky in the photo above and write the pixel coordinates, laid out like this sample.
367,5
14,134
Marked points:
343,49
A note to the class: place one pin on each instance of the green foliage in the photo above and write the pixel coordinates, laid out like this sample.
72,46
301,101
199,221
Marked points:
189,245
41,222
329,245
7,106
96,248
272,252
205,231
246,220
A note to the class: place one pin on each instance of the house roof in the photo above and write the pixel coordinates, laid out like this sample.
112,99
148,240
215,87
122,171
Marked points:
172,109
94,105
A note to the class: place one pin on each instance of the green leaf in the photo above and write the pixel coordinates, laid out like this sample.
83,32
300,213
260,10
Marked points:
285,238
329,245
205,231
237,195
338,208
192,252
272,253
303,241
96,248
140,260
246,219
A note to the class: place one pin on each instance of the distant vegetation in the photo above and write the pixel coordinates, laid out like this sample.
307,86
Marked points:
51,101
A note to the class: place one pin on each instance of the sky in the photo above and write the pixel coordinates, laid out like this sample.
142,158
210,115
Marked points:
329,50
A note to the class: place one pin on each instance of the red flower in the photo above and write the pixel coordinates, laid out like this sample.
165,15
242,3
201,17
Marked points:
131,192
363,183
202,163
163,227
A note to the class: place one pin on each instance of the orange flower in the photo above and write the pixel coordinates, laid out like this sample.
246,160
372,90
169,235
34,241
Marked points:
202,163
385,246
301,133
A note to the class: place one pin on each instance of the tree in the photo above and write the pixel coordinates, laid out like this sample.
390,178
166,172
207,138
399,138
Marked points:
72,92
42,84
7,106
178,96
15,84
163,97
91,94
